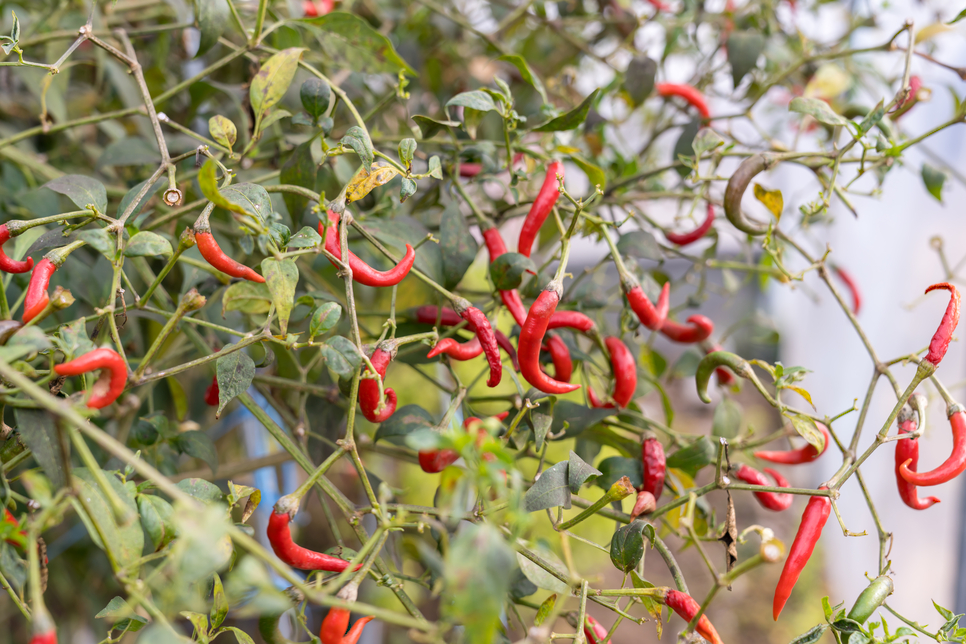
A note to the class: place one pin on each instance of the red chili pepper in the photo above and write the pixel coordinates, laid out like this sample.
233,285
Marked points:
362,272
113,374
813,520
915,84
12,520
653,317
570,320
50,637
427,315
433,461
369,389
699,328
293,554
542,205
944,335
952,466
317,8
334,625
853,287
654,465
660,6
457,350
686,608
37,298
7,264
505,344
805,454
594,631
212,393
625,375
563,366
690,94
470,170
644,504
769,500
907,452
213,254
480,325
683,239
531,338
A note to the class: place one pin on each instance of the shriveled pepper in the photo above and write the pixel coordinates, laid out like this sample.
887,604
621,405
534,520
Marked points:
113,374
433,461
944,334
907,451
952,466
369,388
735,190
871,598
692,95
654,465
686,608
698,329
280,537
531,338
809,530
804,454
362,272
683,239
8,264
542,205
625,375
853,287
337,620
645,503
563,365
768,500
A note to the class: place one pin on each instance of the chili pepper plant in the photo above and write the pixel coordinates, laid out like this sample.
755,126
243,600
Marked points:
248,234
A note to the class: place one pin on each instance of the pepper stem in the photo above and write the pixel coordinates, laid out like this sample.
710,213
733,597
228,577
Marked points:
617,492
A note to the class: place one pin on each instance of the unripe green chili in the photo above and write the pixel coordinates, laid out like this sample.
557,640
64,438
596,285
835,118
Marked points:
737,184
871,598
714,360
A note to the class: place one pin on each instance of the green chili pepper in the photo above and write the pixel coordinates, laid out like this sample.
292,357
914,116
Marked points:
871,598
714,360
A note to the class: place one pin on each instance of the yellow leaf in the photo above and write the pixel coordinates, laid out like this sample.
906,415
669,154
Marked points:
772,200
804,394
828,82
929,31
362,184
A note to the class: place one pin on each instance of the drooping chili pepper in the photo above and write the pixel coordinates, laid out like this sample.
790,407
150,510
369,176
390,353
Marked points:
907,451
37,298
644,504
711,362
768,500
506,345
686,608
651,316
871,598
7,264
212,393
804,454
697,329
448,317
853,287
594,631
315,8
457,350
563,366
542,205
944,334
531,338
692,95
113,374
213,254
725,377
480,325
571,320
735,190
290,552
952,466
369,388
625,374
433,461
809,530
654,466
362,272
683,239
334,625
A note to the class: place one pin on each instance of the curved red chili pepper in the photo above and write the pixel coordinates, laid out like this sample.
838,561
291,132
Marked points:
212,393
505,344
594,631
813,520
448,317
7,264
570,320
531,338
362,272
690,94
334,625
433,461
369,389
683,239
944,334
686,608
805,454
542,205
907,452
625,375
653,317
654,466
480,325
853,287
280,537
699,328
952,466
768,500
213,254
457,350
563,366
37,298
113,374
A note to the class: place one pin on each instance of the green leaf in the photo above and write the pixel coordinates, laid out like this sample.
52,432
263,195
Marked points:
250,199
545,610
235,372
811,636
358,140
240,635
212,16
272,80
222,130
350,43
959,16
83,191
540,419
578,418
627,546
639,79
39,432
429,127
551,490
727,419
684,147
475,100
526,73
307,237
157,520
198,445
806,429
579,472
744,48
99,240
341,356
281,276
934,180
595,175
208,182
407,148
407,420
479,563
541,577
692,458
435,169
219,603
641,244
456,244
817,109
316,95
125,542
299,170
407,188
324,319
205,491
147,244
247,297
706,140
612,469
572,119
